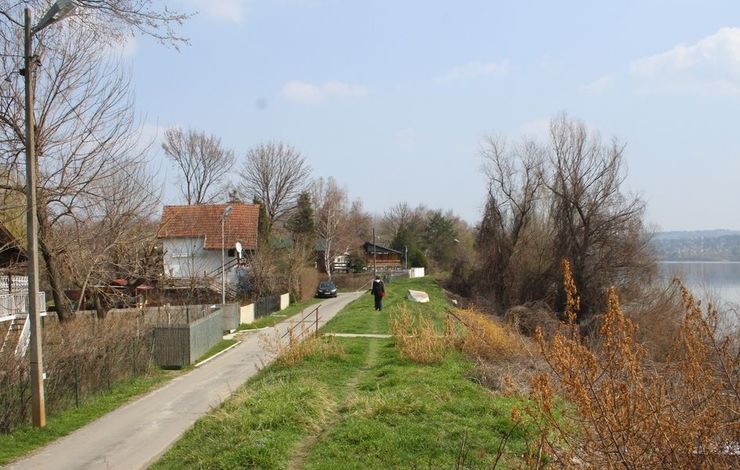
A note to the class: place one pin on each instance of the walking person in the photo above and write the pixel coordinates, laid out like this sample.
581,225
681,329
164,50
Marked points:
378,291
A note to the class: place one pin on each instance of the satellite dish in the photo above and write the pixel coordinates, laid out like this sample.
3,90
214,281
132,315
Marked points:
239,248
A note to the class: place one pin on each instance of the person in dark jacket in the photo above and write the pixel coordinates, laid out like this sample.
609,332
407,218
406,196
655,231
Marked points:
378,291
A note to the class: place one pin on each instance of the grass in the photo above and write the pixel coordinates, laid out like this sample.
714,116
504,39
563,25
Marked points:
369,407
27,438
217,348
275,318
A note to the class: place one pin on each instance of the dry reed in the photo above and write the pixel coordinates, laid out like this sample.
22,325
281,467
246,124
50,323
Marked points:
299,344
82,357
416,336
630,412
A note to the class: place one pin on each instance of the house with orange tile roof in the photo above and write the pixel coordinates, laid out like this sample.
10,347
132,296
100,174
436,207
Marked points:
193,239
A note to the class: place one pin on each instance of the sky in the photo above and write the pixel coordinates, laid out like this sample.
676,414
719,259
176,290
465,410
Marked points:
393,98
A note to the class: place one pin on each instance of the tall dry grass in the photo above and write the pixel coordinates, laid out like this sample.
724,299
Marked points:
467,330
299,343
82,357
627,411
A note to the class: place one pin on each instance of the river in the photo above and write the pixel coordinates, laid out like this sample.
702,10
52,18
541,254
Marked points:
716,281
720,278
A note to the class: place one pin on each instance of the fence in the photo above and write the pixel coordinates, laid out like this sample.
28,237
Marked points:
231,316
83,358
266,305
181,345
13,304
162,315
10,283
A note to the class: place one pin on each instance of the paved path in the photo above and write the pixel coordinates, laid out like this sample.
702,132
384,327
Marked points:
138,433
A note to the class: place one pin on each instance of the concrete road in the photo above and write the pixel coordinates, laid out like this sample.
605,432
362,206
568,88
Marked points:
137,434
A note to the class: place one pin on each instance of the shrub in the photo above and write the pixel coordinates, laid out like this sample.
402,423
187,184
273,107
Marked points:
416,336
300,344
82,357
626,410
484,338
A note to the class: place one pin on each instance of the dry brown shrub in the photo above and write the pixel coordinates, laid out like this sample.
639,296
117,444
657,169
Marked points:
628,413
657,316
82,357
485,338
298,344
526,318
416,336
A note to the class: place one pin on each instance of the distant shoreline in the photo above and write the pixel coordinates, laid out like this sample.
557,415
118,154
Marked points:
676,261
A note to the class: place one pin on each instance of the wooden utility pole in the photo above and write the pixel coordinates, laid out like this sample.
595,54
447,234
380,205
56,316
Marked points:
38,404
375,251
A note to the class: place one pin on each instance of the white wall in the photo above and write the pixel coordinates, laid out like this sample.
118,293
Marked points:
186,258
416,272
284,301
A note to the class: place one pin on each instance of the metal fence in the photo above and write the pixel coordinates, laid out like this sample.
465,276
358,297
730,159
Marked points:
13,304
231,316
10,283
266,305
182,345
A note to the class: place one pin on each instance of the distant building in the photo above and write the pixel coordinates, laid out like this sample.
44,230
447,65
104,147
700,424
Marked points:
191,238
384,258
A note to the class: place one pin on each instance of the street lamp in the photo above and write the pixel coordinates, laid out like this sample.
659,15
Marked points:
57,11
226,213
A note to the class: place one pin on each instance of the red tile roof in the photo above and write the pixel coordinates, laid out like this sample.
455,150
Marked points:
204,221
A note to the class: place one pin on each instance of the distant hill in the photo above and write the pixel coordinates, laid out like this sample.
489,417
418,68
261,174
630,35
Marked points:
697,245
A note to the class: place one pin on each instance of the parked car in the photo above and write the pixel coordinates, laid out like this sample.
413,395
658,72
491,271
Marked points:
326,289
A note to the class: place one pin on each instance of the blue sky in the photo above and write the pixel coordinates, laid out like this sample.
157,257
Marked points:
392,98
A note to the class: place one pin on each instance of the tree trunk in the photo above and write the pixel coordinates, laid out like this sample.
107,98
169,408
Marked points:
101,307
54,276
55,281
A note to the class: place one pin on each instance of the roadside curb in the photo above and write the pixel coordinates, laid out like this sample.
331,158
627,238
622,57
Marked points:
217,354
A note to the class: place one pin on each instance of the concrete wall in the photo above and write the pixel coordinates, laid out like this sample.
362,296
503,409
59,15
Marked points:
416,272
284,301
232,316
246,314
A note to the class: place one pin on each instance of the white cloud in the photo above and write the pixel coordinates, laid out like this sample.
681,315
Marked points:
473,70
307,93
229,10
600,85
711,66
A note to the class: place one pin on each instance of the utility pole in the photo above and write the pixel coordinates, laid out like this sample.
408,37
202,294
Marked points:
225,214
38,404
375,252
57,11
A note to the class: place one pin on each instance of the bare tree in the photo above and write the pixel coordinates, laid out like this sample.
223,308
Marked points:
86,138
111,21
559,201
332,212
514,182
596,226
203,162
274,174
402,218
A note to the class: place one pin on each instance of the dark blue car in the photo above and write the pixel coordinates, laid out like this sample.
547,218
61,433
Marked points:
326,289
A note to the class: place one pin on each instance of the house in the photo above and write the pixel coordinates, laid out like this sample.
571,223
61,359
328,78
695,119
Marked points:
12,253
192,239
340,263
15,325
13,278
383,258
